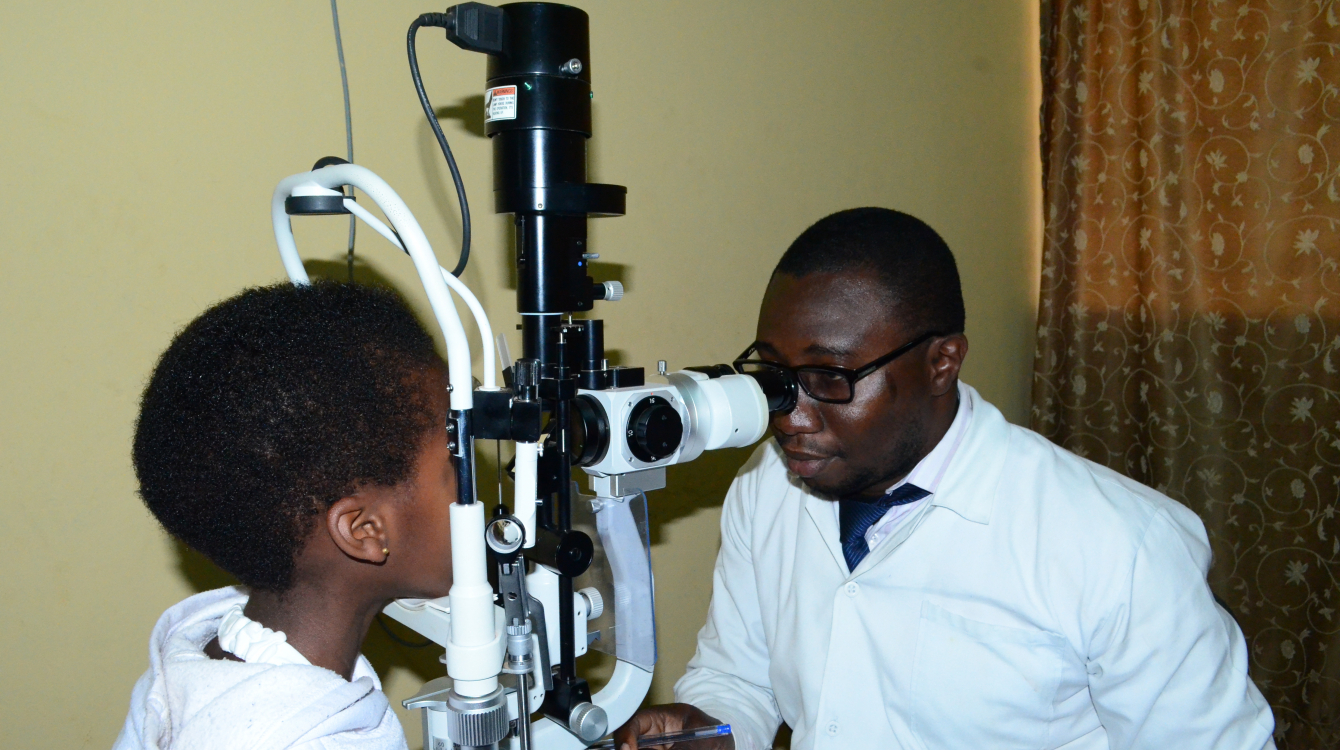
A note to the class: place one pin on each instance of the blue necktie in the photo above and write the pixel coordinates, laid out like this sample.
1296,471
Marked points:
856,516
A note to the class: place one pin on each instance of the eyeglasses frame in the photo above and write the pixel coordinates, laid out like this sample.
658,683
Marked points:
852,376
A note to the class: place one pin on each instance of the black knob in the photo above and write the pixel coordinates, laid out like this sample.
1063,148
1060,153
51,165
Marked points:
654,429
569,552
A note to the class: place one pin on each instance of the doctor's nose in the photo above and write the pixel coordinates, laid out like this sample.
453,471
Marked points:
804,419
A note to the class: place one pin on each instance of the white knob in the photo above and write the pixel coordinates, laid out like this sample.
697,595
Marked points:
613,290
595,603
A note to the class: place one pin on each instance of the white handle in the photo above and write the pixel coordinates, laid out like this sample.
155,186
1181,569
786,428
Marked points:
527,474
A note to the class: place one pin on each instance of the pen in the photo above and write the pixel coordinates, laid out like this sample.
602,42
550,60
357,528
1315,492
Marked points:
651,740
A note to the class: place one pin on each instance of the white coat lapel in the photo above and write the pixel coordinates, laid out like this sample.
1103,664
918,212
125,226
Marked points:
968,488
887,547
973,475
825,520
969,484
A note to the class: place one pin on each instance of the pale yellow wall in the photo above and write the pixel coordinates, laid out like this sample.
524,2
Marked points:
140,142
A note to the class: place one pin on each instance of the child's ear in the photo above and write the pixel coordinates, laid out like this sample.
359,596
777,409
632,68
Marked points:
358,526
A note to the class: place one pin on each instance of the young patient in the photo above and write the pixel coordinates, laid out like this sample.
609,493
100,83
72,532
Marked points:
296,437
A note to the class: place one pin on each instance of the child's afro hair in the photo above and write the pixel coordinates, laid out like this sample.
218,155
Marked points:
271,406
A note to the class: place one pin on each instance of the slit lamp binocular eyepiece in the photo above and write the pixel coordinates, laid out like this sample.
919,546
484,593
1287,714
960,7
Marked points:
626,429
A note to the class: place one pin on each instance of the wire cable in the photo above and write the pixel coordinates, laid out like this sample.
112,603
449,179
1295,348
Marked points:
438,20
348,125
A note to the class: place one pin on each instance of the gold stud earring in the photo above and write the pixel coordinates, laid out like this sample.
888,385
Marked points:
386,551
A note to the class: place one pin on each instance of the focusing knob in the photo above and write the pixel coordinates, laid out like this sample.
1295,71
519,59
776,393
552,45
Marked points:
654,429
588,721
595,603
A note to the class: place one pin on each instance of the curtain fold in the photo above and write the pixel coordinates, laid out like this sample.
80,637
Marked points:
1189,321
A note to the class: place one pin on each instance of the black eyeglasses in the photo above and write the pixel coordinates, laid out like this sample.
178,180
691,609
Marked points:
831,385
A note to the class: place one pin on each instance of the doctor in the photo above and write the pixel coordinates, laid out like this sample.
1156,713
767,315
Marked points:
902,568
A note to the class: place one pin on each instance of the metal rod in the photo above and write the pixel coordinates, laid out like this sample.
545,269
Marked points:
465,456
562,415
523,711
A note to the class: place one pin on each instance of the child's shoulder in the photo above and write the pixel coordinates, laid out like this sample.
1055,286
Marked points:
186,699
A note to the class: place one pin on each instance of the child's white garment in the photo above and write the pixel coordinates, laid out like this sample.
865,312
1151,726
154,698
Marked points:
274,699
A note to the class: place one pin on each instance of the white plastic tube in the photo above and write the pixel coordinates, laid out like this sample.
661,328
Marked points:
457,286
527,466
416,244
485,330
475,651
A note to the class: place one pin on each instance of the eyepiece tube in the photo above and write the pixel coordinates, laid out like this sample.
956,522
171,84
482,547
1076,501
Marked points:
779,388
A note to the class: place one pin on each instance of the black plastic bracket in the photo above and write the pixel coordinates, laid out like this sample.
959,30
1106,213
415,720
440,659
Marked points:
626,377
559,701
498,415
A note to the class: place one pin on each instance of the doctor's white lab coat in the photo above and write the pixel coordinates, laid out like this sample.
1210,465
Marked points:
1037,601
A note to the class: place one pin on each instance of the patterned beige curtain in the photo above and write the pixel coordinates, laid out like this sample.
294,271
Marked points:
1189,328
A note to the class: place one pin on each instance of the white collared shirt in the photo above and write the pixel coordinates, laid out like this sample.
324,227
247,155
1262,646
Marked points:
1035,600
926,474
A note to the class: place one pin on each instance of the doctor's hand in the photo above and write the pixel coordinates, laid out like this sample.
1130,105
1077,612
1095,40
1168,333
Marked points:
672,717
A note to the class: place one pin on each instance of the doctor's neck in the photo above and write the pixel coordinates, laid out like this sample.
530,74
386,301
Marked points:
915,442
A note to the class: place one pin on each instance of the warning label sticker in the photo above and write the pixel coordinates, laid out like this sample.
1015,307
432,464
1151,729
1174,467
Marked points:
500,103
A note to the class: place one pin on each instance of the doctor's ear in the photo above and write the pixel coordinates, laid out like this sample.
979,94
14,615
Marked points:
945,359
358,525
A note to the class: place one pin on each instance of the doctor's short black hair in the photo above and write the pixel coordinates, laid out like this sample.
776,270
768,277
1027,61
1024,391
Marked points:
913,261
271,406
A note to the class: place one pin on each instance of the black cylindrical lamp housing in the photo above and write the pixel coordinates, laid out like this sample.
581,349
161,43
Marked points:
538,115
543,146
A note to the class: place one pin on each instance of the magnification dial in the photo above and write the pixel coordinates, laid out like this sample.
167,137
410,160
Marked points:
654,430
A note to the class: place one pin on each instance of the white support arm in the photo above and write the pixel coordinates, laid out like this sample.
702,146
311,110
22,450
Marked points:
430,273
457,286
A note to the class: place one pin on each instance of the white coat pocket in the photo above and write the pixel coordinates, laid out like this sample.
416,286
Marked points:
979,685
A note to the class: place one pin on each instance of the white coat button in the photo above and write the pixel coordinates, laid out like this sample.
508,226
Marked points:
852,590
832,729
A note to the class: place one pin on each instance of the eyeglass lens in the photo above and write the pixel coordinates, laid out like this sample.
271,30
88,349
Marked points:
821,385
